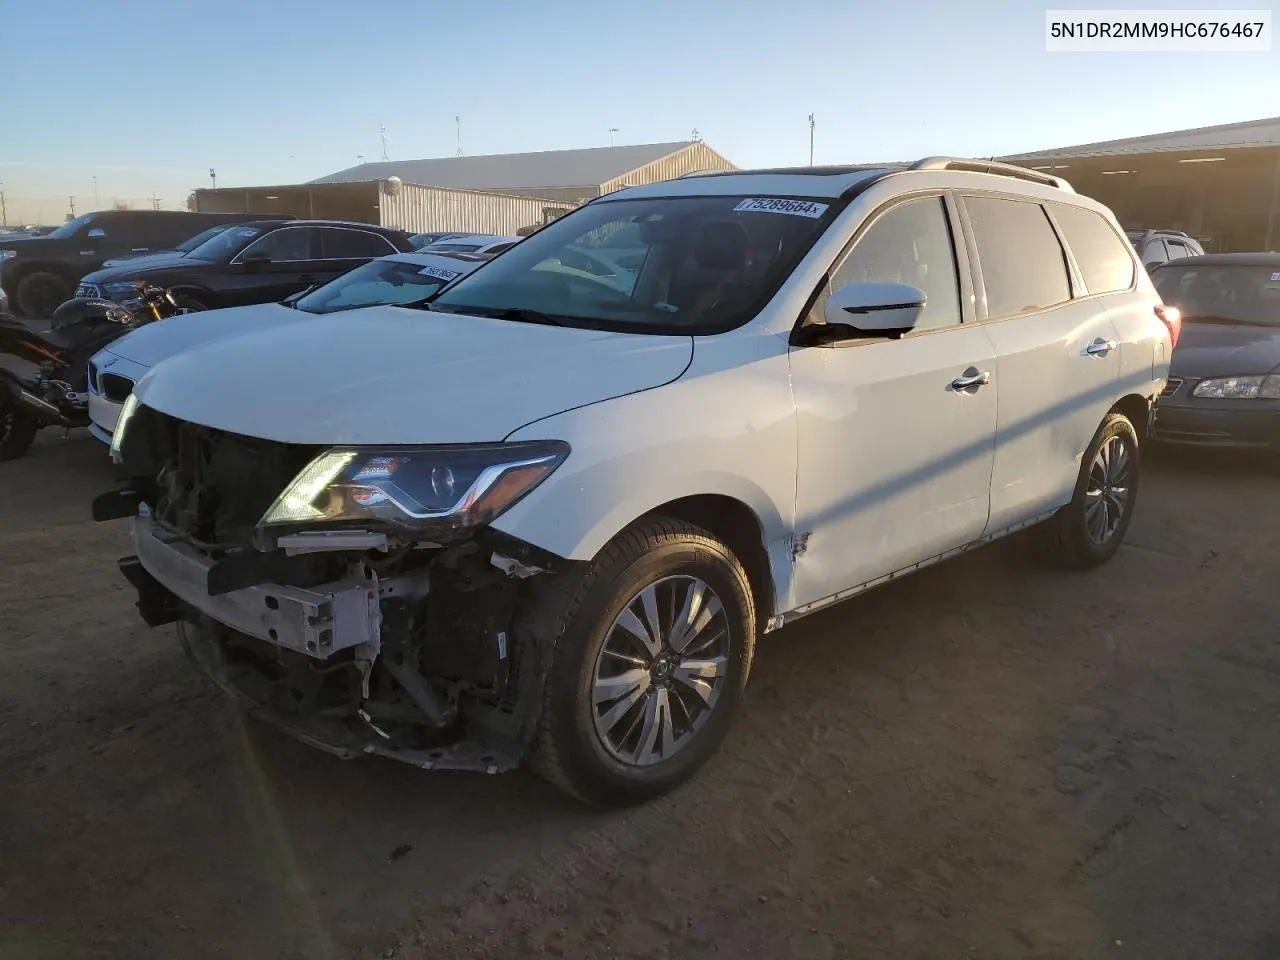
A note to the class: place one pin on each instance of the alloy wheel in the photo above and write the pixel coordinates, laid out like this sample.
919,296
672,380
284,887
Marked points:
1107,493
660,671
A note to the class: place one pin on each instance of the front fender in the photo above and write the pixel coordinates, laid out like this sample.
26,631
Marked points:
727,428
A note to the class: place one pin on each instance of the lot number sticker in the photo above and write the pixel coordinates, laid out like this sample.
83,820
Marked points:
440,274
795,208
1275,277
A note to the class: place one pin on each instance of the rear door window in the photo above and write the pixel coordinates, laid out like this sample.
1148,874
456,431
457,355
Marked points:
1023,265
286,245
1154,252
339,244
1105,260
1177,249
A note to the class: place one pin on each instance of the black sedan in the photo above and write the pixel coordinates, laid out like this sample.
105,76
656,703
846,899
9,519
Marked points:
259,262
1224,380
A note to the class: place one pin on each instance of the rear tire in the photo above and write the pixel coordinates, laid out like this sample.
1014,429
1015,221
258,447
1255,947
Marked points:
18,431
1088,531
627,717
41,293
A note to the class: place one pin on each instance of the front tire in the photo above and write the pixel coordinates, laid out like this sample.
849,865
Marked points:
1088,531
648,666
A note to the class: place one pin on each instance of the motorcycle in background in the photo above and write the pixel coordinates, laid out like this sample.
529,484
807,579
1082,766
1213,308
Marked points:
44,368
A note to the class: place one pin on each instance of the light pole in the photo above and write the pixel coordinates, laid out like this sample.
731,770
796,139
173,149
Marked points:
213,177
95,193
812,122
612,131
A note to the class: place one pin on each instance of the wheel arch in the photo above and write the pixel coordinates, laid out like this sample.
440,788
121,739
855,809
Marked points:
735,523
196,292
1138,409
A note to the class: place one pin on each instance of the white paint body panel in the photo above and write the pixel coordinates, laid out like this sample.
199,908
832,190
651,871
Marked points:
390,375
1052,395
894,465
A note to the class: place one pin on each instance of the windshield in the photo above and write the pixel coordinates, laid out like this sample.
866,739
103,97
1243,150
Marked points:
223,245
1241,294
186,246
72,227
378,283
693,264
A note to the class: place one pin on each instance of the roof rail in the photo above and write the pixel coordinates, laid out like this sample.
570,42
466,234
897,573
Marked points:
991,166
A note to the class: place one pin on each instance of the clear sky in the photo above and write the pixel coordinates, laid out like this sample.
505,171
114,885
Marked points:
148,95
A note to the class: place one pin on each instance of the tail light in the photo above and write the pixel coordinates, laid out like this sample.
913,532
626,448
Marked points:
1171,317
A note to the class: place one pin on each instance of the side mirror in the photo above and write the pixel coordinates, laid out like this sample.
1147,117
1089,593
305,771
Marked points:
255,259
97,233
859,310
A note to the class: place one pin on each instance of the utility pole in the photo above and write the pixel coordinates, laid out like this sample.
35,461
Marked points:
812,122
96,204
458,122
155,203
695,135
71,200
612,131
382,131
4,211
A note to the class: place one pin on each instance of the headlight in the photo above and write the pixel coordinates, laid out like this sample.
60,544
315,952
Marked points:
1239,388
117,435
122,289
6,254
427,492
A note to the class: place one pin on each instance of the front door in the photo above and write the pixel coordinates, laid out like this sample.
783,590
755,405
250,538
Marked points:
895,452
1059,356
292,253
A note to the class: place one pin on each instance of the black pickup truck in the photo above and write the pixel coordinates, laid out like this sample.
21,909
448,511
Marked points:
39,273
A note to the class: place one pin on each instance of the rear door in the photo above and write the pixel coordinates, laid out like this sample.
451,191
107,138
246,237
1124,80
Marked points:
1057,352
291,252
342,249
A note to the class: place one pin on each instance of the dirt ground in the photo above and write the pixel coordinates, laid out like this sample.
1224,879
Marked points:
987,760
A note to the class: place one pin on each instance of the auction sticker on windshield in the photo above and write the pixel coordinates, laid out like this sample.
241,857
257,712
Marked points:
795,208
440,274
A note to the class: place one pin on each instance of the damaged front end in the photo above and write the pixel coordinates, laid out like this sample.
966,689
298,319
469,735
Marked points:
356,597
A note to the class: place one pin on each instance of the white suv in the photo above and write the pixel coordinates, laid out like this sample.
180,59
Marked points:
550,516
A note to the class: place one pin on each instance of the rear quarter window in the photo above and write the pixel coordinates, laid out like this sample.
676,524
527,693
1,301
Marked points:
1104,259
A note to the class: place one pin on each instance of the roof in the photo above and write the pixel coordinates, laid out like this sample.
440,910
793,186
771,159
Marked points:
787,182
1227,260
1227,136
520,171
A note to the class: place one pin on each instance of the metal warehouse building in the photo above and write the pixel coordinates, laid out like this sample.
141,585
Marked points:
1220,184
502,194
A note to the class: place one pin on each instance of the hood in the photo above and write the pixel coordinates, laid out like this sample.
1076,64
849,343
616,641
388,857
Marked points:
397,376
144,259
161,339
1225,349
144,268
35,246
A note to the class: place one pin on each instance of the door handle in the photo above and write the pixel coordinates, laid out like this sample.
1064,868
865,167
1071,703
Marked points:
971,381
139,249
1100,347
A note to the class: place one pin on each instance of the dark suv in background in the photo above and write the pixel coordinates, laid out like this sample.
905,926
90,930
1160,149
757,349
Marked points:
39,273
261,261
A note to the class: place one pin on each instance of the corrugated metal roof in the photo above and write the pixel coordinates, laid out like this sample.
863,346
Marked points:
521,171
1253,133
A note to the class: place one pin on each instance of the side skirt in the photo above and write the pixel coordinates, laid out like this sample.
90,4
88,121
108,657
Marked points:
781,620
